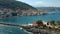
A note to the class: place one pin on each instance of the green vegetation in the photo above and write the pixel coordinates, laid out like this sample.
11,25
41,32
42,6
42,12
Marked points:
40,23
58,22
13,4
52,22
52,25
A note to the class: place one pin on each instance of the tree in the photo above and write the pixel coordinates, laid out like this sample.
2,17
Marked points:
52,22
58,22
39,22
14,4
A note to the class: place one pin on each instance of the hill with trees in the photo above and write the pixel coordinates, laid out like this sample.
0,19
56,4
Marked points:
13,4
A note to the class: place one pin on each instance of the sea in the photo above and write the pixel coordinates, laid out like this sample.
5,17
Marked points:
24,20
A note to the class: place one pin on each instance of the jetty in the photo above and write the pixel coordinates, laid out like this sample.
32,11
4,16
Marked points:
10,24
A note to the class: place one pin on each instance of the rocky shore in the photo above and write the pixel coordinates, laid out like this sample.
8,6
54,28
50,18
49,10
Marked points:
31,30
42,31
41,27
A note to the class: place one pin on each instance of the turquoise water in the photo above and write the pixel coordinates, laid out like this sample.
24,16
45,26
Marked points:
30,19
11,30
24,19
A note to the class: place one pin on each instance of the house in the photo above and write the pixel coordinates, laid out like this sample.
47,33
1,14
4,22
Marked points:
35,24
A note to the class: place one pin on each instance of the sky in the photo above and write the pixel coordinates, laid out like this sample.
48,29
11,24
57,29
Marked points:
42,3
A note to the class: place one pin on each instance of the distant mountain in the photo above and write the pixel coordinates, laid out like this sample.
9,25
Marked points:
13,4
48,8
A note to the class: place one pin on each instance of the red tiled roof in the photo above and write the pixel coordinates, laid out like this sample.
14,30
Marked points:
35,24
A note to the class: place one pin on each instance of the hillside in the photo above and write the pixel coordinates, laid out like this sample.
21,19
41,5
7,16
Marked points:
13,4
9,8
